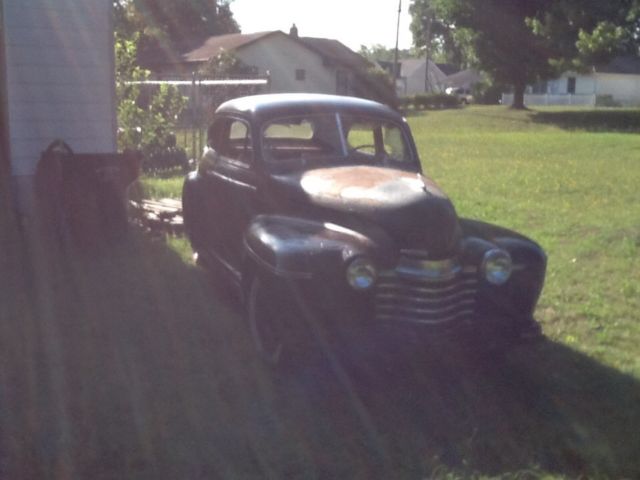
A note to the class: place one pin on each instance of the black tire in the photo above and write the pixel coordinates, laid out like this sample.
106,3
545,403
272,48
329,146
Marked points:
191,217
269,321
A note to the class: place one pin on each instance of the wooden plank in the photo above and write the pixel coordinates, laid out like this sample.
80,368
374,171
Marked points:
164,215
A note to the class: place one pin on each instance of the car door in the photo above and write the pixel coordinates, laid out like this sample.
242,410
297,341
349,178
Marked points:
232,182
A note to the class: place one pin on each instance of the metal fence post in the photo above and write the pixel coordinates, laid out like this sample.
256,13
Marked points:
193,115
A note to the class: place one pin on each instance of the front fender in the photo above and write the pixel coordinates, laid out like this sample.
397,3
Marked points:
299,248
519,296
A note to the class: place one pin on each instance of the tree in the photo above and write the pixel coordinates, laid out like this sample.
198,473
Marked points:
589,32
167,28
225,64
378,52
522,42
425,24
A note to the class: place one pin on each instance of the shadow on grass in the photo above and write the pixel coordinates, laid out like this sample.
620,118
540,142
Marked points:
624,121
546,407
128,365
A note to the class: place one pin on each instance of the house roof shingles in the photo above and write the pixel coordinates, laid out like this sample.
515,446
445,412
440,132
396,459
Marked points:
335,51
331,50
214,45
464,78
629,65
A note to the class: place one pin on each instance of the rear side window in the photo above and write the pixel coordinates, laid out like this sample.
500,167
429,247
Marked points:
231,138
314,135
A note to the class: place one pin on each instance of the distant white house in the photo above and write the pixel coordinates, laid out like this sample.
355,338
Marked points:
617,83
413,74
56,79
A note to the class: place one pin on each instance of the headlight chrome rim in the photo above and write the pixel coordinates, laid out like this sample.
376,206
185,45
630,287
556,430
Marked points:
361,273
497,266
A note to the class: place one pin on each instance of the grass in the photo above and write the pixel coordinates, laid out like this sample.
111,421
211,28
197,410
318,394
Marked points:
125,363
571,189
160,186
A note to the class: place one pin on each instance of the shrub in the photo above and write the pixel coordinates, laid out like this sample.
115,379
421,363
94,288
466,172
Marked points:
606,101
145,116
435,101
165,155
406,102
486,93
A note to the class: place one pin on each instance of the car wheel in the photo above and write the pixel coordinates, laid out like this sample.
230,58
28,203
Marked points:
269,321
191,217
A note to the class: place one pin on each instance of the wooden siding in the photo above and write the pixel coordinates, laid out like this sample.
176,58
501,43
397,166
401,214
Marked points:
60,77
282,56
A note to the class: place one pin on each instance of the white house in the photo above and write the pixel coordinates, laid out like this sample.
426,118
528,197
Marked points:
292,63
413,74
617,83
56,78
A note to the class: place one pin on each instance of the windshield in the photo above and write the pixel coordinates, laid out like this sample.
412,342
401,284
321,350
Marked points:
335,139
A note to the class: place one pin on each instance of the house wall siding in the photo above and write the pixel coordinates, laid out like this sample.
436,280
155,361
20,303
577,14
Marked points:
623,88
60,77
282,56
585,85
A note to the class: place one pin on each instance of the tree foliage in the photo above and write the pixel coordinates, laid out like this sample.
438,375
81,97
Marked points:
166,28
518,42
582,33
146,117
430,29
378,52
225,64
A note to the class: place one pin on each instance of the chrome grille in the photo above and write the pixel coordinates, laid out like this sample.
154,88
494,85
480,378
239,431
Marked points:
426,292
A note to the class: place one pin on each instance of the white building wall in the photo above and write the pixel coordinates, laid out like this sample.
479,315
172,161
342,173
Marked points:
623,88
282,56
60,77
585,84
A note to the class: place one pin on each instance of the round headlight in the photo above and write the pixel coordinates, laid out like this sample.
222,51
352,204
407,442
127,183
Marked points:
361,273
497,266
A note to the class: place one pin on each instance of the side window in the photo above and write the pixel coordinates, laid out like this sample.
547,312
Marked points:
375,140
361,138
296,137
394,144
231,139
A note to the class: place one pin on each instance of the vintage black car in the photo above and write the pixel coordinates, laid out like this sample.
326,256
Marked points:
317,205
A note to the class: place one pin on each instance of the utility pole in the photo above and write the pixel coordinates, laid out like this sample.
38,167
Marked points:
396,73
427,82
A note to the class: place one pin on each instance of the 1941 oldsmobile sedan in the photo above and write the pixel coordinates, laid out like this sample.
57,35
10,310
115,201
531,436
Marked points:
317,204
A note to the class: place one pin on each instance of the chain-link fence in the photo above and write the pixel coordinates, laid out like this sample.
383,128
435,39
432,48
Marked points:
204,95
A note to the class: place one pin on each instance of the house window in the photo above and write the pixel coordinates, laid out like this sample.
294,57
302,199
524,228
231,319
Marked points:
301,74
571,85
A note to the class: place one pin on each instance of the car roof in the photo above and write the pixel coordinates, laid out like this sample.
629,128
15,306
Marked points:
278,104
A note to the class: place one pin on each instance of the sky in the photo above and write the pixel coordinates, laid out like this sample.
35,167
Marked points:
353,22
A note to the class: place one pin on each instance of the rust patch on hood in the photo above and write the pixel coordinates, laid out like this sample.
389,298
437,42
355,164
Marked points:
367,184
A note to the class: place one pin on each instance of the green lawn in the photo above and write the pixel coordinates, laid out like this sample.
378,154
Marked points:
125,363
574,190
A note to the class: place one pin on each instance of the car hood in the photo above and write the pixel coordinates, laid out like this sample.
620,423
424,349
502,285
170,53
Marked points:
409,207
